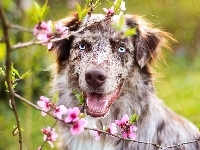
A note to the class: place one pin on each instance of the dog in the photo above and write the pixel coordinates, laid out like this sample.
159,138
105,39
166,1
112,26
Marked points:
115,75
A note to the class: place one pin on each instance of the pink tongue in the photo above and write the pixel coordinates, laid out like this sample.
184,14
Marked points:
97,103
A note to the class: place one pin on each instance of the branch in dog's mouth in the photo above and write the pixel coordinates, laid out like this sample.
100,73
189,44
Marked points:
97,105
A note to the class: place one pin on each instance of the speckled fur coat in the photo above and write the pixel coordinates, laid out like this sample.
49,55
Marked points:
115,75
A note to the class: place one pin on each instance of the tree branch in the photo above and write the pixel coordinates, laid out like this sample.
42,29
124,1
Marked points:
8,64
17,27
32,105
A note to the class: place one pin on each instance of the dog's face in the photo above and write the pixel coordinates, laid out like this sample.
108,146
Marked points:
100,60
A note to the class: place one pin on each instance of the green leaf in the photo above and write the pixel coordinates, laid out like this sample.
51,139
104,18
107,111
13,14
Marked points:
15,72
6,85
16,131
78,8
13,78
36,6
81,13
40,12
37,11
116,27
14,85
84,13
130,32
79,97
120,24
81,115
121,21
25,74
2,71
45,9
133,118
55,97
117,6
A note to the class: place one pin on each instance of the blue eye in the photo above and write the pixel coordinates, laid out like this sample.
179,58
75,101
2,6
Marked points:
82,47
122,49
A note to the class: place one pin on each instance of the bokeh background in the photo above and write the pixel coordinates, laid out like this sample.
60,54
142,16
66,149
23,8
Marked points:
177,78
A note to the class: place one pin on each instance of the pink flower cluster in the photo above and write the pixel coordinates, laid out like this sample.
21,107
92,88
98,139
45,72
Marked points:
49,135
46,31
47,106
74,117
127,129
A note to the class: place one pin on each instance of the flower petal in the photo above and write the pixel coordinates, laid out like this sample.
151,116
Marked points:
41,104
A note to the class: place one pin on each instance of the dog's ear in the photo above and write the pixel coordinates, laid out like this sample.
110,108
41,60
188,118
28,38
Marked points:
148,41
62,47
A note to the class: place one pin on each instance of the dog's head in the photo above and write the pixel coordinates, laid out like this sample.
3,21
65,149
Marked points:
100,61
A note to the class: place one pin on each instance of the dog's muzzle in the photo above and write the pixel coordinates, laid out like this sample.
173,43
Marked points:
98,104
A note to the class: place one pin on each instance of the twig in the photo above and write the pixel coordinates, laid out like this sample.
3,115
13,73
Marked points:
32,105
184,143
17,27
8,65
27,102
124,139
27,44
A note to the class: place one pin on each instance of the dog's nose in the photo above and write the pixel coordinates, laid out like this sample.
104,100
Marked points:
95,77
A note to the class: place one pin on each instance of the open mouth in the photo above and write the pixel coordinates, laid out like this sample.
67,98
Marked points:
97,105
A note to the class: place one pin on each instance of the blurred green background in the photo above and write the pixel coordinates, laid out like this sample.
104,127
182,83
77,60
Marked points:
177,79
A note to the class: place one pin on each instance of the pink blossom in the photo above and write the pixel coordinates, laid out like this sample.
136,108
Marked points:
78,126
128,130
109,11
39,148
123,120
45,104
61,30
96,135
112,128
49,135
133,128
73,115
59,111
74,119
46,31
43,31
